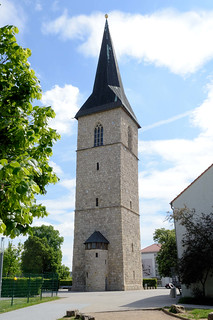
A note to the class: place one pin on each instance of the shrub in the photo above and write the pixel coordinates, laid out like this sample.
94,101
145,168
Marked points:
151,283
67,282
22,287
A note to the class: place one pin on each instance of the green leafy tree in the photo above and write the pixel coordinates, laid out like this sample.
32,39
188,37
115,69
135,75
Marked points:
167,256
26,140
64,272
42,251
53,239
37,256
12,260
196,263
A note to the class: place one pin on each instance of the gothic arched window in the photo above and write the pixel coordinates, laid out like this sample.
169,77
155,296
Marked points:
98,135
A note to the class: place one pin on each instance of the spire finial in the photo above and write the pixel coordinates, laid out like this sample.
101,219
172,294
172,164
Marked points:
106,15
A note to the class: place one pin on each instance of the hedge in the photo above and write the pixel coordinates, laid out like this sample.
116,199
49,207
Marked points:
67,282
22,287
151,283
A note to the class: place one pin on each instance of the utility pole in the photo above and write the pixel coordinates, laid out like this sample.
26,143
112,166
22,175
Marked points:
1,261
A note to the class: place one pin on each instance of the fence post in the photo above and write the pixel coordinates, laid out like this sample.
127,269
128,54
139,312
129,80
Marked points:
14,279
28,290
41,286
1,261
52,283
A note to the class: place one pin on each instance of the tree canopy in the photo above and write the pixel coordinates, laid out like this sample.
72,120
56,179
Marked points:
42,251
196,263
167,256
26,140
37,256
12,260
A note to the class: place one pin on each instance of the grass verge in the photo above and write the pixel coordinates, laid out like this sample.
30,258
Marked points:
198,313
5,305
192,314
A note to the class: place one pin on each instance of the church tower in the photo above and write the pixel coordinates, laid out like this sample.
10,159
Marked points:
106,254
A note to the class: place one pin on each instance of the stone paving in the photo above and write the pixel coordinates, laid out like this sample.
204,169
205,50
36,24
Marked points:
135,303
90,302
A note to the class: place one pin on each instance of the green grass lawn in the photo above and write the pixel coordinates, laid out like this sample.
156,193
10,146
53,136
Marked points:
5,305
197,314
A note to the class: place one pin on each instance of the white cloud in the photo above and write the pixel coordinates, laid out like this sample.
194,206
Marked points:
60,205
68,183
183,159
64,102
12,14
178,41
203,115
38,6
56,168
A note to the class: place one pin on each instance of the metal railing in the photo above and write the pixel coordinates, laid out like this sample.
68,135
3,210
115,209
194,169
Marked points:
29,286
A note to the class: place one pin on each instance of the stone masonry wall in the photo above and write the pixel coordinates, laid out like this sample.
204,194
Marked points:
115,185
96,268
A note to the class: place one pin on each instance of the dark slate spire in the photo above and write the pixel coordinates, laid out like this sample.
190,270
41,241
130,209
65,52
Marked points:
108,91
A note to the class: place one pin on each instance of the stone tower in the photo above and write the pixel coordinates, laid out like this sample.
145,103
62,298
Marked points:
106,253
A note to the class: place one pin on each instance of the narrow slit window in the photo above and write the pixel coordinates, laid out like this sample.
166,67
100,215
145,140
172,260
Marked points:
98,135
96,202
96,255
130,138
97,165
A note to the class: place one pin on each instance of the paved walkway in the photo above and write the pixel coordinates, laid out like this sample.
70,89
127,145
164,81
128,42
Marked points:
88,302
92,302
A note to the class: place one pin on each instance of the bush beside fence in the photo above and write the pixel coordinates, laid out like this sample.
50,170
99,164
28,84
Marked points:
150,283
21,287
65,283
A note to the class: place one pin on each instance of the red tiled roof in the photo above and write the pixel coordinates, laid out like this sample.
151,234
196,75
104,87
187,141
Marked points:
190,184
153,248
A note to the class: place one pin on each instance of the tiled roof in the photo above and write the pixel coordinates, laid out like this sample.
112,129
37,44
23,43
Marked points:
153,248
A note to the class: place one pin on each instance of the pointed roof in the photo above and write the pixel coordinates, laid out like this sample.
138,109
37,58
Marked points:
96,237
108,92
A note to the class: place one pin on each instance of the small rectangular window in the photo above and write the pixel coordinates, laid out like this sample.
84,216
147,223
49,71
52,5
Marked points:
96,202
97,165
96,255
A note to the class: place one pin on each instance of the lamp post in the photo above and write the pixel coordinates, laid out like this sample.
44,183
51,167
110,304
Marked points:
1,260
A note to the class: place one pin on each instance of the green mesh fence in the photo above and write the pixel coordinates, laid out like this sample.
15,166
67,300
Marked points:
29,286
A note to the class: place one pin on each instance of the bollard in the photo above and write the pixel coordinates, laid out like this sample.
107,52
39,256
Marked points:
173,293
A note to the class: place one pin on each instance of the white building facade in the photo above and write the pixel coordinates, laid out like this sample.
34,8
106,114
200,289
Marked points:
197,196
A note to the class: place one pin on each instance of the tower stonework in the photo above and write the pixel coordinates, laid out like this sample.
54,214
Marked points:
106,254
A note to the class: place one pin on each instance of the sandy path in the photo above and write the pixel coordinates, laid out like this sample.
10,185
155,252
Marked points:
133,315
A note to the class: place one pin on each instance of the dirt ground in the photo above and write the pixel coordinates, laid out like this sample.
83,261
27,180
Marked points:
133,315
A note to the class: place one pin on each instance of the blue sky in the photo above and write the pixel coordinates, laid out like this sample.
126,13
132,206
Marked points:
165,55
